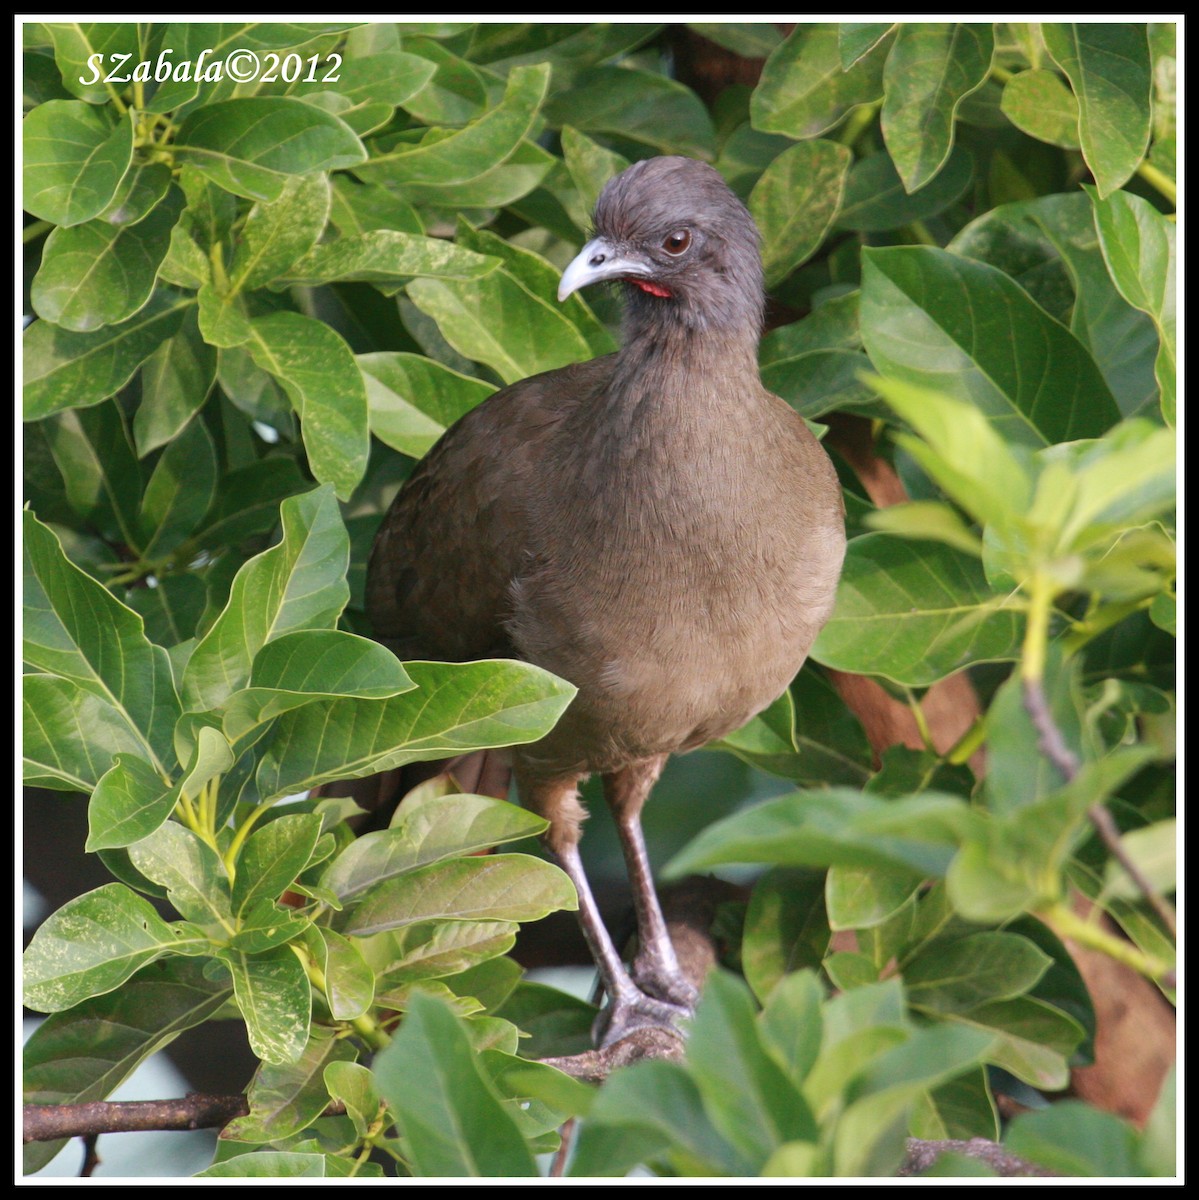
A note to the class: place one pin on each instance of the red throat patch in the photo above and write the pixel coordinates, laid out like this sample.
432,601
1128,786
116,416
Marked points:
654,289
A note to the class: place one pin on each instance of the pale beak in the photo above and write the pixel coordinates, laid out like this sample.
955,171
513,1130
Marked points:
597,261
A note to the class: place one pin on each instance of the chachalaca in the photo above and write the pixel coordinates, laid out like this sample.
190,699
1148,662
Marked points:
653,526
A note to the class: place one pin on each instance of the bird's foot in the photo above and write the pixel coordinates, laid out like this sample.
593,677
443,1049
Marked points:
633,1010
663,981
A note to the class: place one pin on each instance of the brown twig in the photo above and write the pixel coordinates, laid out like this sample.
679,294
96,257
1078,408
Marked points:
91,1156
1051,743
46,1122
922,1155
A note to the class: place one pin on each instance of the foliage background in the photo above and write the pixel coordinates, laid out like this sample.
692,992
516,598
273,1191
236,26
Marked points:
257,304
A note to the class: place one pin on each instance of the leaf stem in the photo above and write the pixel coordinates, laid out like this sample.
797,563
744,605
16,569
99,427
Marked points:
966,745
1036,633
242,833
35,230
858,122
1001,74
1069,924
365,1026
926,734
1157,178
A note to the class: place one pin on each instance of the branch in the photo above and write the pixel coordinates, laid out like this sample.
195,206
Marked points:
1051,743
922,1155
46,1122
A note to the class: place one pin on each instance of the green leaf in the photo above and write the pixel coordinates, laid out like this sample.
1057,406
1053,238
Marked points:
1035,1040
275,999
795,203
541,278
1153,849
286,1098
451,1118
803,90
129,803
434,950
413,400
497,887
939,321
931,68
349,979
264,1164
470,152
1108,68
876,199
99,274
820,828
191,871
92,945
1050,247
590,165
75,628
961,1109
359,208
279,232
791,1026
308,665
440,828
457,707
75,43
1071,1138
957,439
369,86
74,158
915,612
388,257
1041,105
141,189
101,479
70,735
455,92
863,897
180,490
271,859
640,105
1138,247
743,38
82,1055
786,928
856,39
649,1111
63,369
316,368
297,584
529,337
746,1093
354,1086
975,970
248,501
175,382
870,1136
250,146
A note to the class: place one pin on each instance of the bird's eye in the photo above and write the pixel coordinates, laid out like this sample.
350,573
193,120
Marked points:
677,242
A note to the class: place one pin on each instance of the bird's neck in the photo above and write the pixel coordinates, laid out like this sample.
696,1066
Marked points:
668,360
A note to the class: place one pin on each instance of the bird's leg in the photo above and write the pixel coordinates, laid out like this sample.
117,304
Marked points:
656,968
629,1007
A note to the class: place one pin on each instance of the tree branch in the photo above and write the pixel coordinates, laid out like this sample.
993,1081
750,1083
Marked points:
1051,743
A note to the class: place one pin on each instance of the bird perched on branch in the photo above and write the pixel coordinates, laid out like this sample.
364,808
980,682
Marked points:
653,526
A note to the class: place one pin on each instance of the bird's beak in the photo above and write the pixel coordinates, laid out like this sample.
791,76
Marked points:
598,260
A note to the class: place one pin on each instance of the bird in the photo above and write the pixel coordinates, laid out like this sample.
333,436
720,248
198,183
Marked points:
652,525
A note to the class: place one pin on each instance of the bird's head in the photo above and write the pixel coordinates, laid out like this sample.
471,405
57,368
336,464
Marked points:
684,244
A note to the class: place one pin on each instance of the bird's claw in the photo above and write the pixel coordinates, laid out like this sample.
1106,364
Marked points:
635,1010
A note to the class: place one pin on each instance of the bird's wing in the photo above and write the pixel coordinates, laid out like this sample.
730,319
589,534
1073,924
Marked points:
457,534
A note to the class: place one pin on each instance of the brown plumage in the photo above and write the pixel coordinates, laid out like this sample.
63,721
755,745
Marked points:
653,526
